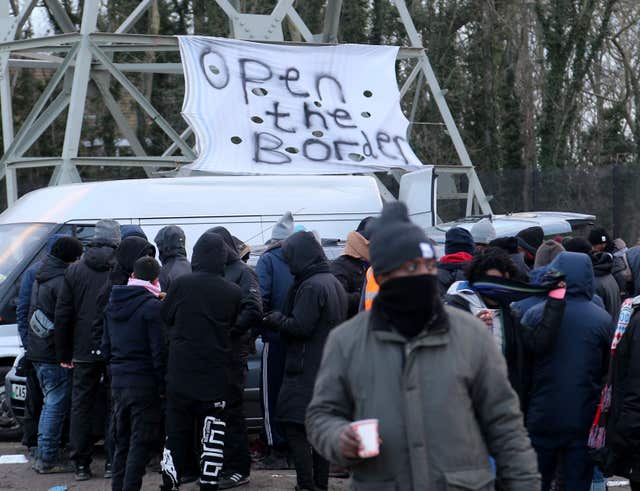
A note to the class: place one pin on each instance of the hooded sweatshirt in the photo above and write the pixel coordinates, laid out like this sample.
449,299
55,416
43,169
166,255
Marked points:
567,379
250,314
171,247
200,310
133,341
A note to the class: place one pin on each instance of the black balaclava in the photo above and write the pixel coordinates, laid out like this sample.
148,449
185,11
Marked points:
410,302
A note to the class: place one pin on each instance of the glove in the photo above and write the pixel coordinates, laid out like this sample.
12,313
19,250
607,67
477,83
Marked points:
274,320
551,279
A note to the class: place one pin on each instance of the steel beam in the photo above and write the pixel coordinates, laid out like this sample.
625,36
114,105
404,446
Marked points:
144,103
134,16
28,162
45,120
331,21
60,15
67,173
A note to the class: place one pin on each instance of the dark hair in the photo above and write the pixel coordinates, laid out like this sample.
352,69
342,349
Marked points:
68,249
578,244
490,258
146,268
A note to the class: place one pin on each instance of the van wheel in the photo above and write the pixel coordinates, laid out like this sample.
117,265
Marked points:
9,427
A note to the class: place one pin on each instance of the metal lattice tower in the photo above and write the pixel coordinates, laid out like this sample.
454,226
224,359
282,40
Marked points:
80,57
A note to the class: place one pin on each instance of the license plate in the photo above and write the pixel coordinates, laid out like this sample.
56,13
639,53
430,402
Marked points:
18,392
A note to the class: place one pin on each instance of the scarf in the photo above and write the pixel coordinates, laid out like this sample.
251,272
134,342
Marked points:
456,258
357,246
151,288
598,433
505,290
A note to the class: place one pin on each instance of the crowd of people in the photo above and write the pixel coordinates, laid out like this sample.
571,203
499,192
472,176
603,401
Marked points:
508,362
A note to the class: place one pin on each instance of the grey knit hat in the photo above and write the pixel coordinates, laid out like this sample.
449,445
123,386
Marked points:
284,227
107,232
483,231
547,252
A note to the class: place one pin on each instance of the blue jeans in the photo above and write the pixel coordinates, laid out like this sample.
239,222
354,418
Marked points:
55,383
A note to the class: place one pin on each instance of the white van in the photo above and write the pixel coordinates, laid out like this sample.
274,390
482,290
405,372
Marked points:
248,206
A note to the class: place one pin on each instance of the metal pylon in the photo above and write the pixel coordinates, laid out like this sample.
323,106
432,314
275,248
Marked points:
82,55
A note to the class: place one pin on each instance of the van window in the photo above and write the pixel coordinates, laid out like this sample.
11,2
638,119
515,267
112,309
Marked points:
18,241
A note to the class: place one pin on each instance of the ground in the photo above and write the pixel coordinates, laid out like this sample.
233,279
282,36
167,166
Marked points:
20,477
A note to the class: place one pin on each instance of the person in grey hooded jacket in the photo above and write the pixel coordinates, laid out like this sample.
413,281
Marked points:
173,255
432,375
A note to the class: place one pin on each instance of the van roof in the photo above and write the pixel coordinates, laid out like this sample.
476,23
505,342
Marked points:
231,196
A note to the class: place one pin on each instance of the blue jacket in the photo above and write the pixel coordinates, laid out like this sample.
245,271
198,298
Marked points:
133,340
24,294
274,279
567,379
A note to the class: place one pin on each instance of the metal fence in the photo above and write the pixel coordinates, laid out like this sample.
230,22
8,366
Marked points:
609,192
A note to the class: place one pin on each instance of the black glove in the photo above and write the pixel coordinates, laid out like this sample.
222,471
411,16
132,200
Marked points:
23,367
551,279
274,320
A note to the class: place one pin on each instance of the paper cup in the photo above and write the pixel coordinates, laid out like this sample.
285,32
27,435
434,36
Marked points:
367,429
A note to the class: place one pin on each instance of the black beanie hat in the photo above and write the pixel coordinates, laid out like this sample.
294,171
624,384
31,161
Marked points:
599,236
530,239
364,227
578,244
396,240
458,239
68,249
146,268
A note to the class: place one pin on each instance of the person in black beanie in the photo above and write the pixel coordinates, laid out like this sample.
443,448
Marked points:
458,249
432,376
54,380
529,240
511,247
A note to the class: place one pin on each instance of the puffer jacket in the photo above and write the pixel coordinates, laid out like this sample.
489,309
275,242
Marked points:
316,304
46,290
443,402
171,248
77,306
568,376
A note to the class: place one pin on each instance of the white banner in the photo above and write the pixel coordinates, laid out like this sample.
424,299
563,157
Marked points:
275,109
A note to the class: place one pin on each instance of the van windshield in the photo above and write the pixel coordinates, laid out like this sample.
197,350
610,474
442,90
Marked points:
19,241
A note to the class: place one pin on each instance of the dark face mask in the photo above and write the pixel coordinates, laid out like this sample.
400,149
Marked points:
410,302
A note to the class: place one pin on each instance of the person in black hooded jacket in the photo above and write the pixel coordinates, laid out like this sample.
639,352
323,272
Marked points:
316,303
128,252
173,256
76,311
237,462
133,344
199,358
54,380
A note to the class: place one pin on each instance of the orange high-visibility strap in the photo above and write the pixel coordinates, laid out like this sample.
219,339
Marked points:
371,289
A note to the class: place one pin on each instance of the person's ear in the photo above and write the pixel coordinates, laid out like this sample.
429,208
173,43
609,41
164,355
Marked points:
156,282
133,275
